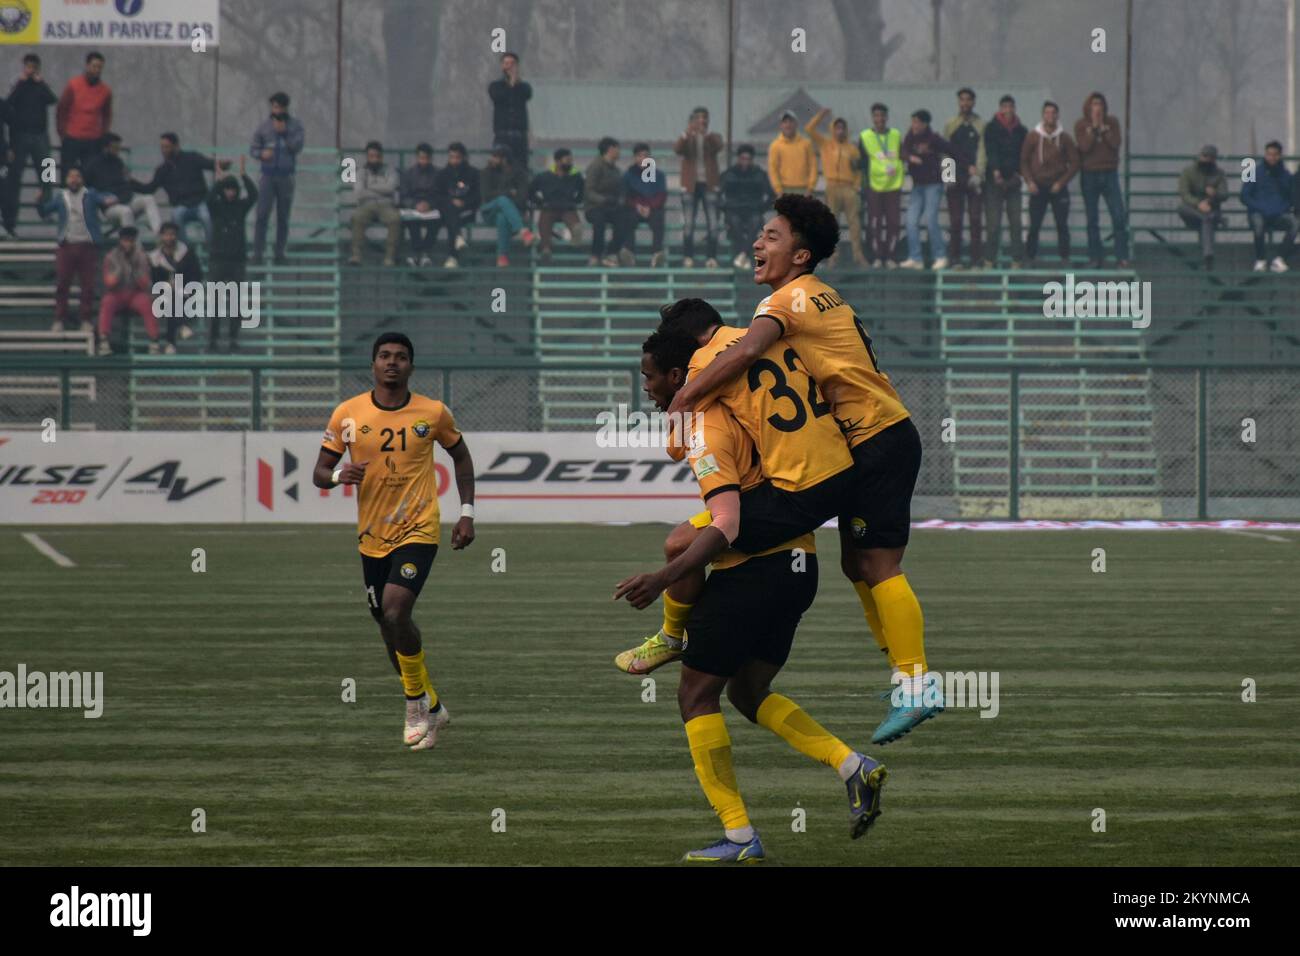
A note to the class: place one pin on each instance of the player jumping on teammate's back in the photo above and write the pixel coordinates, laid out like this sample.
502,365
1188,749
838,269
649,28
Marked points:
833,345
743,624
805,466
389,433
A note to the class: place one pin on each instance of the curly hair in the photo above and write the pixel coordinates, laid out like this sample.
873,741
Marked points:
814,226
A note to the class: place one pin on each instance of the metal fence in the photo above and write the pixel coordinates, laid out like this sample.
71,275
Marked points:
1002,439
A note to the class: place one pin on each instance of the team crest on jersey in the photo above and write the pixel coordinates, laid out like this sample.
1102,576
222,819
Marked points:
365,429
859,527
409,570
421,428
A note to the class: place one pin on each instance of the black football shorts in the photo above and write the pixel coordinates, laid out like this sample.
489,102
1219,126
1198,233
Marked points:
407,566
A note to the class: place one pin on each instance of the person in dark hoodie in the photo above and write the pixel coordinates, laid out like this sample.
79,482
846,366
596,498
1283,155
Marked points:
746,195
1202,188
1268,200
1003,139
557,193
510,96
921,152
459,197
30,100
228,254
1097,135
1048,161
604,200
419,205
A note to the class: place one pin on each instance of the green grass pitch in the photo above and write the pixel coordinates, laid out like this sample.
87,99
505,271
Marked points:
1119,691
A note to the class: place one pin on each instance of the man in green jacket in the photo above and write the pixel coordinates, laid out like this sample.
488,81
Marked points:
604,198
1202,188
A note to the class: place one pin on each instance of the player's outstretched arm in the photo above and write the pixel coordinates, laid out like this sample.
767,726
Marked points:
733,361
463,534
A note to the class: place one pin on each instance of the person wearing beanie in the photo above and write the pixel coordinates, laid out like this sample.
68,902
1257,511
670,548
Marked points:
228,254
126,287
1202,189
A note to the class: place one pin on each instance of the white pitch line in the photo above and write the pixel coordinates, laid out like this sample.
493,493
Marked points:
43,546
1258,534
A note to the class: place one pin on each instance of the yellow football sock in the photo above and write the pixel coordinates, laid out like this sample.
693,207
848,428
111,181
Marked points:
873,617
415,679
792,724
711,751
428,689
675,615
902,622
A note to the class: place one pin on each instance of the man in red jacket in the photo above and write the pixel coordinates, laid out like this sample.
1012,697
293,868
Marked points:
84,114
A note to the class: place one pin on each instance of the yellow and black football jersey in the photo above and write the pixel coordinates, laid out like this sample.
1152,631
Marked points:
397,502
723,458
780,407
835,348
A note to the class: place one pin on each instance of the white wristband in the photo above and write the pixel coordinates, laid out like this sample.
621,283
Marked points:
467,511
335,477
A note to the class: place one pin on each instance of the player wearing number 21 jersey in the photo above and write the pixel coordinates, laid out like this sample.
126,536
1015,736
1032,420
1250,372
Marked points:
388,434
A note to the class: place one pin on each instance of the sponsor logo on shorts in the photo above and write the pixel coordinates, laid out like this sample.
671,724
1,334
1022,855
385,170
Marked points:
421,428
409,570
859,527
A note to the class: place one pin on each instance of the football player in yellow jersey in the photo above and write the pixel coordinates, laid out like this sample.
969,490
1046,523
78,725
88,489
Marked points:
389,433
833,345
742,625
807,470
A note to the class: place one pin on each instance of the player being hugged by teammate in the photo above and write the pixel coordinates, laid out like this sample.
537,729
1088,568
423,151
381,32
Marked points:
389,433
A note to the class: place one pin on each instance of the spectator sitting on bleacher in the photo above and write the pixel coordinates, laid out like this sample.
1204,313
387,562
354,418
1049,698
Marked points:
557,193
277,141
647,195
457,185
180,175
375,191
1202,188
30,100
1268,201
107,173
228,254
8,173
604,206
126,286
419,202
172,258
746,195
505,200
78,237
85,114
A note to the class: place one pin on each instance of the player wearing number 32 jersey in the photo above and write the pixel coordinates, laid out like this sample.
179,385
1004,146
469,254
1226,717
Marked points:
389,434
832,343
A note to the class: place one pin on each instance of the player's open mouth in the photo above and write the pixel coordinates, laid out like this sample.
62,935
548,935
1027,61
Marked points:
759,262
